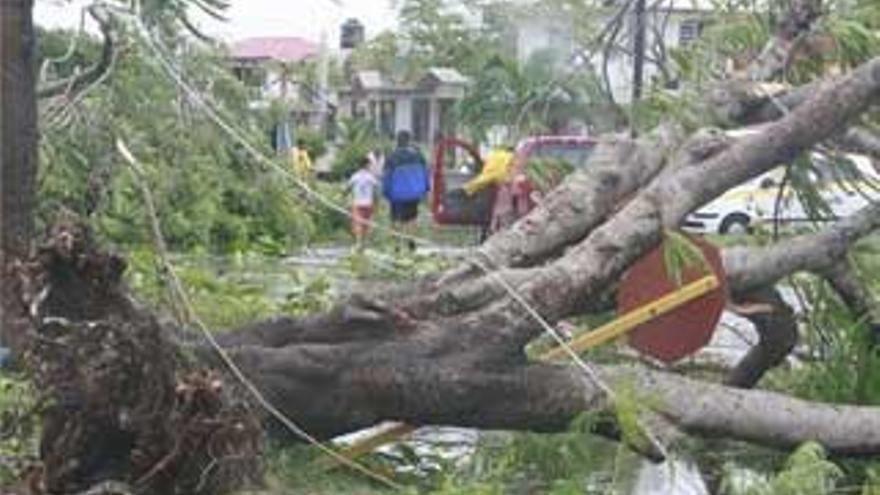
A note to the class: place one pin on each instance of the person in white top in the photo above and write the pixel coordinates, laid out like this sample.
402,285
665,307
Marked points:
363,185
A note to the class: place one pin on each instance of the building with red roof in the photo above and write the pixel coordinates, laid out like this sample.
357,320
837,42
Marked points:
281,49
273,67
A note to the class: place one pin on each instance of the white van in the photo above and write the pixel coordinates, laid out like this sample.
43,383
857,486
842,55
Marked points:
753,203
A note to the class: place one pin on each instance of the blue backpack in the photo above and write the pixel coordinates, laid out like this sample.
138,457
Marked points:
406,177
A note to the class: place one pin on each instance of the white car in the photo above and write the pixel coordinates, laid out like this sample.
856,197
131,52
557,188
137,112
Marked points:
756,202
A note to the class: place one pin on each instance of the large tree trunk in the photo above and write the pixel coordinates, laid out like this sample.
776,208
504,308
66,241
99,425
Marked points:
18,142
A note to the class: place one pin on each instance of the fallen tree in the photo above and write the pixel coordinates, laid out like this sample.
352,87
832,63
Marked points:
451,349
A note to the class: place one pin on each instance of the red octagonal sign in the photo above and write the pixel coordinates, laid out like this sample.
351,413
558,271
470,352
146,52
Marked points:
686,329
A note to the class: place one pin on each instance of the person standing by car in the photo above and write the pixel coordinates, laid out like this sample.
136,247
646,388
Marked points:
405,182
496,168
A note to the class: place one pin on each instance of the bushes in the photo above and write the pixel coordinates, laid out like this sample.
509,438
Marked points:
210,194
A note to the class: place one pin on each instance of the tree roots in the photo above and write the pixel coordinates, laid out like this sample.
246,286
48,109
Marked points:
125,404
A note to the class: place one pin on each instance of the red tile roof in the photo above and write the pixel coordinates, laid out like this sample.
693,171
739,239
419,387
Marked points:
282,49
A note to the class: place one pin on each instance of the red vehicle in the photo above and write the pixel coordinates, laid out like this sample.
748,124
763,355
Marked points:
456,162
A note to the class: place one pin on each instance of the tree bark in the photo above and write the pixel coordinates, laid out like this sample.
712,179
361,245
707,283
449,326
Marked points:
332,391
777,332
18,143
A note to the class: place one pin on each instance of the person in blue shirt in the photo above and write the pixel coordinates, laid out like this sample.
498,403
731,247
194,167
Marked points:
405,182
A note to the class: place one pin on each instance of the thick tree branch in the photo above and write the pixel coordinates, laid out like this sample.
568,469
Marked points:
615,171
796,23
590,267
750,269
759,417
738,103
394,382
778,333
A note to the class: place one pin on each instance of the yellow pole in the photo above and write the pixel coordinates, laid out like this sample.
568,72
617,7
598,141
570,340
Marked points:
636,317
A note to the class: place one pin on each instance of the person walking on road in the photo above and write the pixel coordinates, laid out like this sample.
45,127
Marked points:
405,182
363,185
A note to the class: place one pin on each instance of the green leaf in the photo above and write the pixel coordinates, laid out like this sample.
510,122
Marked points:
681,254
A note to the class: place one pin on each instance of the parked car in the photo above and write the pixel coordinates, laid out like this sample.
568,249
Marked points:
455,162
846,184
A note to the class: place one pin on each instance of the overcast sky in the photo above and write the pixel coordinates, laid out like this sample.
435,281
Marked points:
305,18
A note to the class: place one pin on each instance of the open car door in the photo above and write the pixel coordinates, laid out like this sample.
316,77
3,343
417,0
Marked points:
455,163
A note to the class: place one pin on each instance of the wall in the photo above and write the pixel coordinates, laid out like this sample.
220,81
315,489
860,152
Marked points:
541,33
620,66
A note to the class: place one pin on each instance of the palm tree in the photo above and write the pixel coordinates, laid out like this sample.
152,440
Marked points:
537,96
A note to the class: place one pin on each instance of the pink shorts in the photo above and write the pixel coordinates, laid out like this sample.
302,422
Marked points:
360,218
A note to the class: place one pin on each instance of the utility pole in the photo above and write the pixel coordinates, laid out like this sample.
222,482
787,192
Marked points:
638,56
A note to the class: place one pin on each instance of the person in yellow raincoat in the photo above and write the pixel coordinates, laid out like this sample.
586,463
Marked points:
496,168
302,162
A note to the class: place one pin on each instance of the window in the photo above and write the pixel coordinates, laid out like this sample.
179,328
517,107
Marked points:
688,31
250,76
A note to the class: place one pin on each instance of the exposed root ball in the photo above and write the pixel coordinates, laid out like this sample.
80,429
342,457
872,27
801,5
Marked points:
124,402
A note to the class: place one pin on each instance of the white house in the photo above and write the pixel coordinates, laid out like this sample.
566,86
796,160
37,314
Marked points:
424,106
533,29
